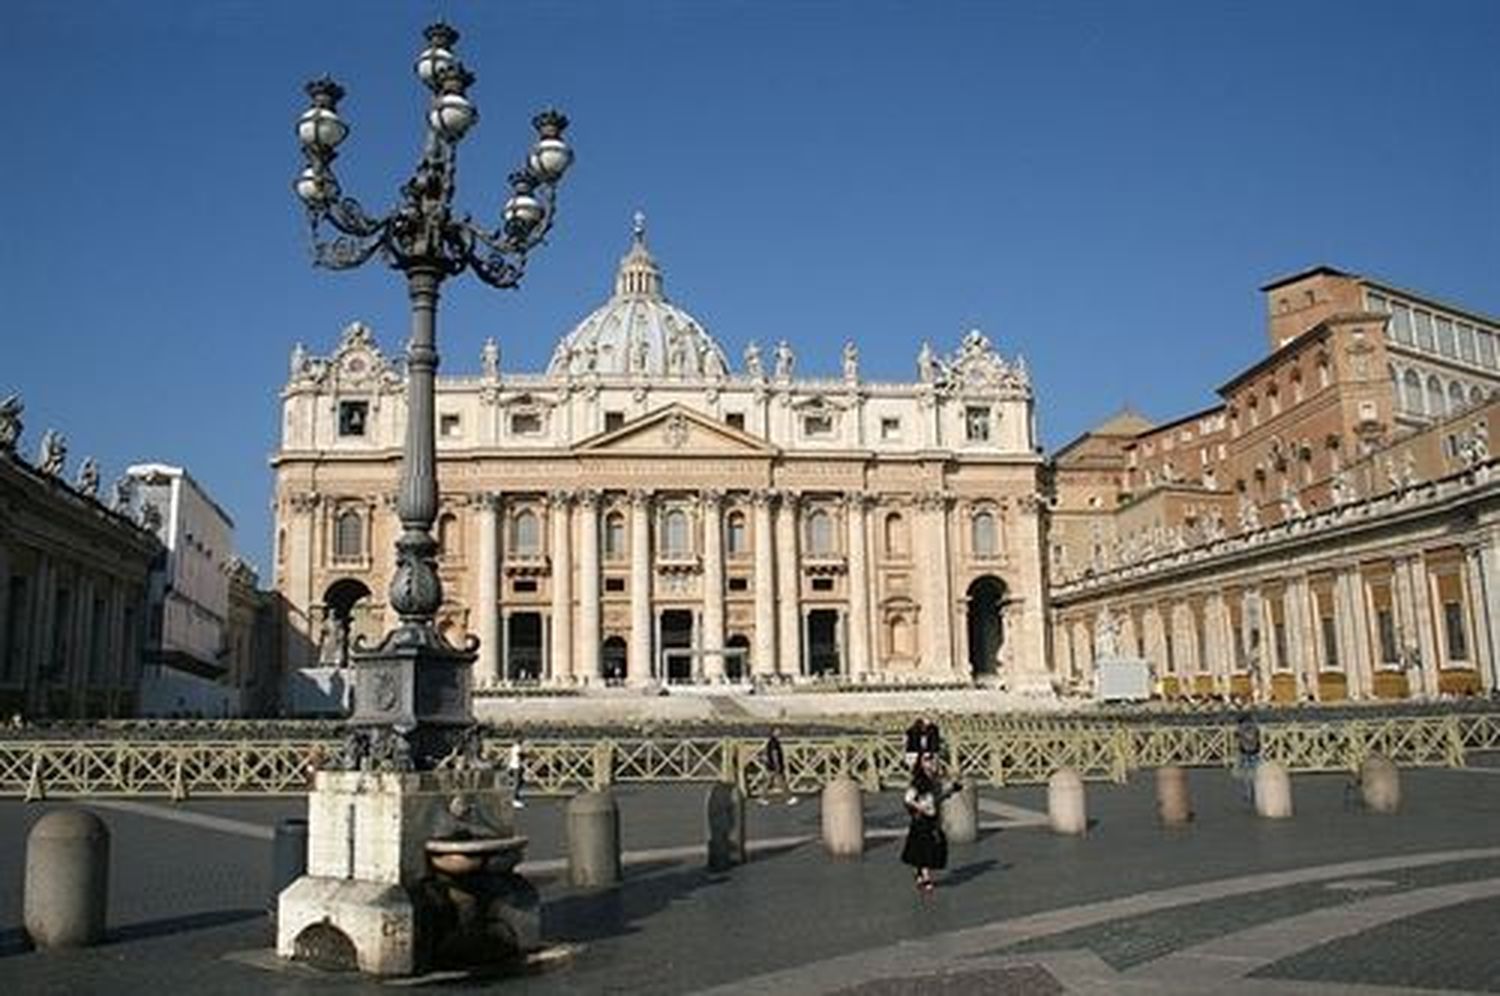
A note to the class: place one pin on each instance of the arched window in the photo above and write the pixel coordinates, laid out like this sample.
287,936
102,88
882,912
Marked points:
1411,385
1254,408
1435,405
526,533
348,536
674,533
895,535
1476,396
614,536
1455,396
819,532
1325,373
1296,387
984,540
736,535
447,535
1273,399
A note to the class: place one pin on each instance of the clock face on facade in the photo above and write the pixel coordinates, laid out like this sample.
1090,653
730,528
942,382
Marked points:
354,366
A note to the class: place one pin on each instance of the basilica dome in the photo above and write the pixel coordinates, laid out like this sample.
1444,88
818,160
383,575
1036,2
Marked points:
637,331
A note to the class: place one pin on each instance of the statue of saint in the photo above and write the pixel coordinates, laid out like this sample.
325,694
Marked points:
752,362
52,454
489,359
851,362
926,364
88,478
10,423
785,361
299,361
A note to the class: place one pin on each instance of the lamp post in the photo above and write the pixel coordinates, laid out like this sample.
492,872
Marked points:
412,689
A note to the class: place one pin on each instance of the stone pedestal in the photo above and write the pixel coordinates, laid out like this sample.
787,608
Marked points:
361,901
843,818
960,815
1066,809
1173,803
1273,791
1380,784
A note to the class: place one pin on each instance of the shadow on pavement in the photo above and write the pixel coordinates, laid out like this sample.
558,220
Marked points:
589,916
14,941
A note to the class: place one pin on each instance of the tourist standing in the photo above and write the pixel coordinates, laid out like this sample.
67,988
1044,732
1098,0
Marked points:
916,734
926,848
515,763
776,780
1247,754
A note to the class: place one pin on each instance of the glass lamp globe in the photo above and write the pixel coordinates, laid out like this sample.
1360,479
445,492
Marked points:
550,159
522,213
316,187
452,116
321,128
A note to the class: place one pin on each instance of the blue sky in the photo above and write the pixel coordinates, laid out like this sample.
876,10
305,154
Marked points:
1100,186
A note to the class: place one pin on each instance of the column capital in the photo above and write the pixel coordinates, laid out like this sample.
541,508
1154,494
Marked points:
560,498
589,498
935,501
857,501
762,497
711,497
488,501
304,502
641,497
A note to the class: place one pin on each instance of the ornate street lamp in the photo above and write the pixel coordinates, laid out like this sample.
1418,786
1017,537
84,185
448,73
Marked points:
412,701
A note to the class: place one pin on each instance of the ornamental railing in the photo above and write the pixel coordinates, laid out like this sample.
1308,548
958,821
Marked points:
1015,755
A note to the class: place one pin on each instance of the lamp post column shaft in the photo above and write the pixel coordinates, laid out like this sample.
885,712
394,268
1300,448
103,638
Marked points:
416,591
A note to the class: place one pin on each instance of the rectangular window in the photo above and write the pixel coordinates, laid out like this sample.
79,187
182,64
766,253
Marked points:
739,584
449,425
818,425
1385,625
614,585
890,429
613,420
1375,302
1278,631
735,420
1401,324
822,584
523,585
1466,350
977,424
1447,345
525,424
1424,331
352,417
1454,632
1486,348
1330,643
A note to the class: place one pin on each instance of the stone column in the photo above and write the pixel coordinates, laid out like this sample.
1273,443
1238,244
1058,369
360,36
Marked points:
937,608
712,504
562,586
298,554
764,662
788,585
857,661
1427,637
639,667
587,664
1487,595
487,667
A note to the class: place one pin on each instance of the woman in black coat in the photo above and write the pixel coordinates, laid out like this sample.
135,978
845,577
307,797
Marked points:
926,848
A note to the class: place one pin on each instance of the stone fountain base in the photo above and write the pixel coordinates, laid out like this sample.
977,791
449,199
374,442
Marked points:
408,871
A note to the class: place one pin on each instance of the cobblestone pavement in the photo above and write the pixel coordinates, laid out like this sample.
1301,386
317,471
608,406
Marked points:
1336,900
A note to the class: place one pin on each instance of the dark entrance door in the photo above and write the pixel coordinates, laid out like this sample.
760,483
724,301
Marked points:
614,655
823,642
986,631
737,657
677,634
523,660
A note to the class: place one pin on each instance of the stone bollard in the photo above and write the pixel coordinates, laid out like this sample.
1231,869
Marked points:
726,826
1380,784
1066,808
593,821
1273,791
67,879
1173,804
843,818
288,856
961,815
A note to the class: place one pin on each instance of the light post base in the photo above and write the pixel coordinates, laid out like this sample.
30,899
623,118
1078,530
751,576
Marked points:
413,705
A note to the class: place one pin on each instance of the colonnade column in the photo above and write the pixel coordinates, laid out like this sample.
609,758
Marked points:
788,584
588,663
858,661
639,667
1427,645
938,609
487,667
764,662
562,586
1487,596
713,585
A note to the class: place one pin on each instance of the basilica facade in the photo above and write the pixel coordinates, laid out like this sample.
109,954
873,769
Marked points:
646,511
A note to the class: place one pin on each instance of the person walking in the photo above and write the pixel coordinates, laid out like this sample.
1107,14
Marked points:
916,736
515,763
926,847
775,758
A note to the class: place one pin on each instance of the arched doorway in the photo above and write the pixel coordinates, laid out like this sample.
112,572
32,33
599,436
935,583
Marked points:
613,655
339,617
986,600
737,657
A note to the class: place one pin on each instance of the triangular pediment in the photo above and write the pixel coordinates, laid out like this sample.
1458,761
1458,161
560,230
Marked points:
675,430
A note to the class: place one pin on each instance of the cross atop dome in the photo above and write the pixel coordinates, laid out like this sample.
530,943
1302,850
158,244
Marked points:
639,276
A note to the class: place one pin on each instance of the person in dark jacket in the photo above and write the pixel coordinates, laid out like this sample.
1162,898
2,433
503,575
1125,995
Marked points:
916,735
926,847
776,780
